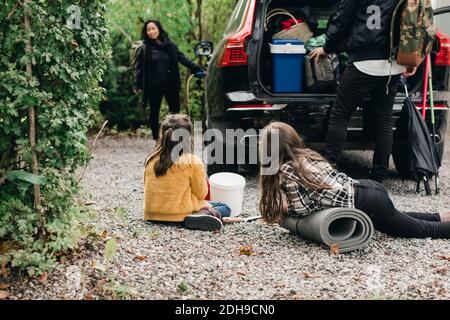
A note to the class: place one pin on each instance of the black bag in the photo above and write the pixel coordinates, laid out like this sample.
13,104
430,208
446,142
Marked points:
414,151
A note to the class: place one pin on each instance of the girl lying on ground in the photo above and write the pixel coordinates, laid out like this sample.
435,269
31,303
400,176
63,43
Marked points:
306,183
175,189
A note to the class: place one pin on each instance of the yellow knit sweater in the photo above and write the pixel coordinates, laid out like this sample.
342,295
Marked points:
178,193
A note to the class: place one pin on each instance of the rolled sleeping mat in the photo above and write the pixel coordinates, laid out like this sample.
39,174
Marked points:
350,229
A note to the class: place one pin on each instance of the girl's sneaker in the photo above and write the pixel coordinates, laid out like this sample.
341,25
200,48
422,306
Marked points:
207,219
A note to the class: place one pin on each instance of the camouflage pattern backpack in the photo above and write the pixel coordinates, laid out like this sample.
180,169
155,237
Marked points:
413,28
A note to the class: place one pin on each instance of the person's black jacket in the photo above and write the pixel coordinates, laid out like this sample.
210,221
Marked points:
143,69
349,26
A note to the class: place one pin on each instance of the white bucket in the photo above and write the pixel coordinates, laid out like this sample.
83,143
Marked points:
228,188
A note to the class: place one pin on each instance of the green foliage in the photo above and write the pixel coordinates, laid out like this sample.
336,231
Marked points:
215,16
183,286
110,250
121,214
67,65
25,176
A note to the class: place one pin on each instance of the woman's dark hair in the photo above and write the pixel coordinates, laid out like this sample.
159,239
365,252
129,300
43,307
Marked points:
163,35
166,143
291,149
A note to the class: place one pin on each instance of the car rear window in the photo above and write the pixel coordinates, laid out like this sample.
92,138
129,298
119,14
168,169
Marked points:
236,17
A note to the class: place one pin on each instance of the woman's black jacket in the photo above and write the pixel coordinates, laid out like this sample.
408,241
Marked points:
363,28
143,74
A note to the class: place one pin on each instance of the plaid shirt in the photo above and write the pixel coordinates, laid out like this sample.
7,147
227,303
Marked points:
303,201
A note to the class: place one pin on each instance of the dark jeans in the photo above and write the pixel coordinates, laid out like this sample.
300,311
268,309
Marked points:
372,198
156,96
224,210
353,88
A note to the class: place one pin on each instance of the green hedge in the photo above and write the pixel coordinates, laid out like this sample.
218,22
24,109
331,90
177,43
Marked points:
67,62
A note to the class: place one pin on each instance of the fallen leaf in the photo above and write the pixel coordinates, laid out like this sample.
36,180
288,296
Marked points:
334,249
3,270
103,234
4,286
183,286
4,248
444,258
442,292
43,278
155,235
3,295
97,266
141,258
242,273
443,271
308,275
88,296
246,250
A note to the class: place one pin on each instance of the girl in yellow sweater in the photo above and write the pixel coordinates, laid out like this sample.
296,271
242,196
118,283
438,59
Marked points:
175,185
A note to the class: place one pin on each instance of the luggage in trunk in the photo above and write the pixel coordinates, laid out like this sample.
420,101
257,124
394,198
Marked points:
319,77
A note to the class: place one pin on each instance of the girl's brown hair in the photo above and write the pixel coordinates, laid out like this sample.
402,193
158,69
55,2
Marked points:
291,148
166,143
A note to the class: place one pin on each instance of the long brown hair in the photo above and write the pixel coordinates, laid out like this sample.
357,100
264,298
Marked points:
291,148
166,144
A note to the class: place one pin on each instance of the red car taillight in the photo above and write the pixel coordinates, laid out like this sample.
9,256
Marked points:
443,55
234,52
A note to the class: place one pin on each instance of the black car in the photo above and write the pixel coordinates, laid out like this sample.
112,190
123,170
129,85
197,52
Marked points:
239,96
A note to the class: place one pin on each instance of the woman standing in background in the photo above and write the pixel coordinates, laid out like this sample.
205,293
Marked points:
158,73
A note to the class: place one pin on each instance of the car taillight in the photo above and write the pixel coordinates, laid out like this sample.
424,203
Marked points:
443,55
234,52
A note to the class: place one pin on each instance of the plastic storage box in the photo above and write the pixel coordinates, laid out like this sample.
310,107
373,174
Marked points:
288,62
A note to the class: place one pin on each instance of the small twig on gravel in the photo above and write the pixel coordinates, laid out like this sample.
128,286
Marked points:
90,151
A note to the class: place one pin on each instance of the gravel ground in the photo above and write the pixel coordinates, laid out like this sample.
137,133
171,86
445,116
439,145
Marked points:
164,261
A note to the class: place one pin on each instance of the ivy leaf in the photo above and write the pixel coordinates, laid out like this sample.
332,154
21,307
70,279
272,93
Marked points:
25,176
110,250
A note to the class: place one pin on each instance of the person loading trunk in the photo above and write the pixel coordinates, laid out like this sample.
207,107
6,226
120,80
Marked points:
157,72
366,35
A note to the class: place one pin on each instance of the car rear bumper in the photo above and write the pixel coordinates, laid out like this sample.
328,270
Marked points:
310,117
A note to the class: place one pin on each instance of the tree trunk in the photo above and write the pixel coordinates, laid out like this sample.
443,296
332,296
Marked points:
32,117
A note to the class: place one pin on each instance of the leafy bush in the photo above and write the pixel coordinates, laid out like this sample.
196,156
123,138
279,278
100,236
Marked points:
65,60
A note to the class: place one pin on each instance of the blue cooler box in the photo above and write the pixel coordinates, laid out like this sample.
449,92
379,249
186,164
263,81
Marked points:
288,58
